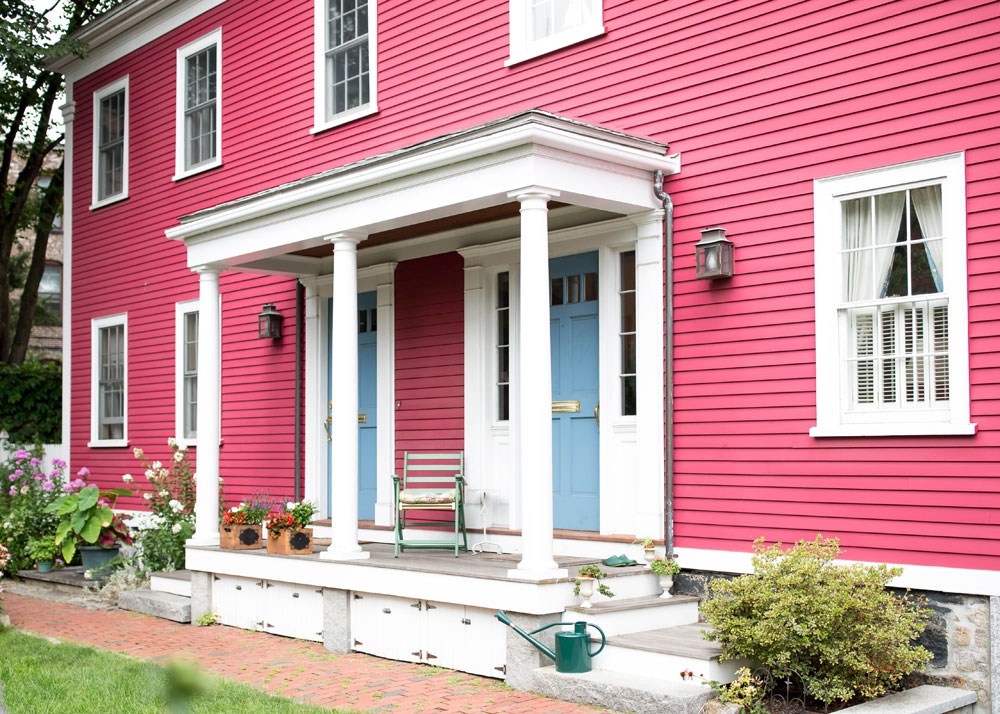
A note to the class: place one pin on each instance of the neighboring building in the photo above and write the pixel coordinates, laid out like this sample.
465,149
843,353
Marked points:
480,177
46,333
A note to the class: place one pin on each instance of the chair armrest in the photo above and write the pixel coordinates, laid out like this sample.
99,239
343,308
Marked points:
395,478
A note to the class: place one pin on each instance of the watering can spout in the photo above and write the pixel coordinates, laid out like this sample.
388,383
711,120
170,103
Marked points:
502,616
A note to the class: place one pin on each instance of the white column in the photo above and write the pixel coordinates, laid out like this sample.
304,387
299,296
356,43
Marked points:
386,400
315,456
206,506
535,390
649,371
344,379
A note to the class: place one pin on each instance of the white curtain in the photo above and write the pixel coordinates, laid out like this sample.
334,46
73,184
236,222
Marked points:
888,214
927,203
857,234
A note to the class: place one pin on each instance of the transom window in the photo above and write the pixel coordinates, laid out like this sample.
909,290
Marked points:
199,144
368,320
111,142
626,333
573,289
891,303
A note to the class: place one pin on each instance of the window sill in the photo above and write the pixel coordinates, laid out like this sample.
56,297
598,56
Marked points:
913,429
344,118
108,201
107,443
196,170
523,54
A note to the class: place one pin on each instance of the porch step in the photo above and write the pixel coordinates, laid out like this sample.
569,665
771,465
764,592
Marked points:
666,652
176,582
67,580
156,603
622,691
621,616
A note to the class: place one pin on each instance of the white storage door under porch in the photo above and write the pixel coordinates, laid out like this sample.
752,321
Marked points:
269,606
469,639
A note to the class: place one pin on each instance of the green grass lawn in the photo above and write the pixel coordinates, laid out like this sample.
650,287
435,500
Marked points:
39,677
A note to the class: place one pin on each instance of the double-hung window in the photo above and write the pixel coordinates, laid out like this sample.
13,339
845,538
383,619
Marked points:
109,381
110,181
891,301
186,360
344,61
541,26
199,105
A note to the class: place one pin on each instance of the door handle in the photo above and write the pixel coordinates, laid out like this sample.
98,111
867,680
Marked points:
597,414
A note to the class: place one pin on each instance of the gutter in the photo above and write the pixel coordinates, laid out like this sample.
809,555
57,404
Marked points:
668,363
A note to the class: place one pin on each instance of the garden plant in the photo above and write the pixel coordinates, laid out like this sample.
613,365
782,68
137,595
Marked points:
836,625
597,574
87,518
290,515
26,492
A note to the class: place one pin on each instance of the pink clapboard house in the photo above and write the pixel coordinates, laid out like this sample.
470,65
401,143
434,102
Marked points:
478,222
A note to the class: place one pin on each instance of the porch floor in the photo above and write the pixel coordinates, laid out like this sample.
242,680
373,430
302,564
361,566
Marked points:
490,566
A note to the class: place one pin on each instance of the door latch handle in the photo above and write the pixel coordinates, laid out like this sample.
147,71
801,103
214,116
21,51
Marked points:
597,414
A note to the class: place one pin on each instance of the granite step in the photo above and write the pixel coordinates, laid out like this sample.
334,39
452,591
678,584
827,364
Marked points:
159,604
622,691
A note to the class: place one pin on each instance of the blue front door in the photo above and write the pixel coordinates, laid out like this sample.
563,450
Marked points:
367,416
575,455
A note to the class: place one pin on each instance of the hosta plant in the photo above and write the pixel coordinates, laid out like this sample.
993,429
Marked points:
836,625
86,518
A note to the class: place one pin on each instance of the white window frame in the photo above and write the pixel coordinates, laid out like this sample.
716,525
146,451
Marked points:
96,325
180,136
522,47
493,334
321,122
833,417
181,309
105,91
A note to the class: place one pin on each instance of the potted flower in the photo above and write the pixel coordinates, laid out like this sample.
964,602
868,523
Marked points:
648,549
241,525
287,533
88,522
44,551
666,568
586,577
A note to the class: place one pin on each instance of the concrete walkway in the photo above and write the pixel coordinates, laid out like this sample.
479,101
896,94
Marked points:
280,665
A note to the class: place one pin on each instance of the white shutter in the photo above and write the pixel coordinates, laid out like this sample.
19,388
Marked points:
939,327
888,361
864,332
913,348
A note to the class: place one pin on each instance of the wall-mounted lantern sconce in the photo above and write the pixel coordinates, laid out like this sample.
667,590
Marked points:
269,323
713,254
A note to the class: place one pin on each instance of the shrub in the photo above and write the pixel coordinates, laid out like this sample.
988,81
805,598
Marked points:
170,495
836,625
26,490
31,402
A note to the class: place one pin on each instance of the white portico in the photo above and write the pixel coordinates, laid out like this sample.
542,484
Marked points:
316,229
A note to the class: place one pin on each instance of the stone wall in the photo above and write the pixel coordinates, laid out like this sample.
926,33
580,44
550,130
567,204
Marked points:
957,635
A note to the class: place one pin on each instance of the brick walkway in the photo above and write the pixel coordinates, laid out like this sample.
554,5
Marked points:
292,668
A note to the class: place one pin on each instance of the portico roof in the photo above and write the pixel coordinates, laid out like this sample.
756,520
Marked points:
472,169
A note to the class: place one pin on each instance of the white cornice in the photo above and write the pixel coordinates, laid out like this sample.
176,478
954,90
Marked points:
531,131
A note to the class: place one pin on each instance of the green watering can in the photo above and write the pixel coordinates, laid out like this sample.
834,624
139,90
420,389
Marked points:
572,653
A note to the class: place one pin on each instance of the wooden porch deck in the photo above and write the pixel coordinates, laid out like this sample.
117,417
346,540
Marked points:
490,566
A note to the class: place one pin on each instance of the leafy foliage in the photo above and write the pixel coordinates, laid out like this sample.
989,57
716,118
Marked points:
594,571
170,494
290,515
836,625
25,492
86,517
746,691
31,402
664,566
43,550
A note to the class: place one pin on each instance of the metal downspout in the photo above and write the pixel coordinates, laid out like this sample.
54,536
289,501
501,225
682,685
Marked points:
299,329
668,363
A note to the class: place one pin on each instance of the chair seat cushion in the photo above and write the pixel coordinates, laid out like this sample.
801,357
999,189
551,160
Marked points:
419,496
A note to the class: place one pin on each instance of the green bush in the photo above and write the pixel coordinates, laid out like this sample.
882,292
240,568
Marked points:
836,625
25,492
31,402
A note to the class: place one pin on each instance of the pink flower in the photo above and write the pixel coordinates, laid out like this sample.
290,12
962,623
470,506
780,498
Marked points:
21,454
13,492
58,463
36,461
83,472
68,488
48,486
38,477
12,477
18,472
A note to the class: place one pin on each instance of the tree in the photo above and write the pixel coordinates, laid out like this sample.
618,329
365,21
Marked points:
28,95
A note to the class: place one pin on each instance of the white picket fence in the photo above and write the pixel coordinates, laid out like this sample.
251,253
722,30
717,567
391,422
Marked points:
49,451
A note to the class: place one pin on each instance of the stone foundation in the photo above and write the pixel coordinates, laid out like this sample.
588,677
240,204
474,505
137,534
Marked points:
957,635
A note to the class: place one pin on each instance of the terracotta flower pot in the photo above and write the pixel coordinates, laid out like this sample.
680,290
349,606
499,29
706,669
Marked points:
291,541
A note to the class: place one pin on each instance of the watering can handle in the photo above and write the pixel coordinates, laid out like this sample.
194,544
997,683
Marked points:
603,639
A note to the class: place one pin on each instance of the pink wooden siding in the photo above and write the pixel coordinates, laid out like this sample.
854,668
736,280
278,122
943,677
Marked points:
759,97
430,352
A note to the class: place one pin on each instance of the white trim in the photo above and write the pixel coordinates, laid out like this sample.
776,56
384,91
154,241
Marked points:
212,38
96,325
321,122
315,398
68,112
107,90
385,381
831,382
181,309
523,48
126,28
965,581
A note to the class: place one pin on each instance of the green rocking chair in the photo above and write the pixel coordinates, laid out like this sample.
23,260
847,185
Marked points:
430,482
